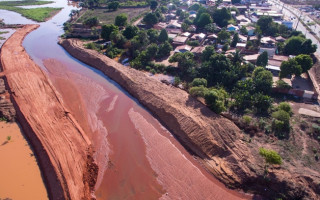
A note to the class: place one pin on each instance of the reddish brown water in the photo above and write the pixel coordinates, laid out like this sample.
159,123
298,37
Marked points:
137,157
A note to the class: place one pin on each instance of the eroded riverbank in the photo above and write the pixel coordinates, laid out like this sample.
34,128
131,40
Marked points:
63,149
213,138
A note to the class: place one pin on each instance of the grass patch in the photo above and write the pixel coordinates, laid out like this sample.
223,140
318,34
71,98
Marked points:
24,3
4,32
2,38
36,14
107,17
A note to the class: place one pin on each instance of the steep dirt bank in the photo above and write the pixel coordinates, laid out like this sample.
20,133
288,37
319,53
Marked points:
63,150
215,139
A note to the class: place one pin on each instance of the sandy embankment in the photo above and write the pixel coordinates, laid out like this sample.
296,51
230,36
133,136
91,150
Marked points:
62,147
211,137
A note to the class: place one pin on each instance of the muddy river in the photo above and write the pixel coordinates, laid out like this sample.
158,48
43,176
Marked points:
137,157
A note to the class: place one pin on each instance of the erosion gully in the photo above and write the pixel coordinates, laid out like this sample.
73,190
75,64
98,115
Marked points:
137,157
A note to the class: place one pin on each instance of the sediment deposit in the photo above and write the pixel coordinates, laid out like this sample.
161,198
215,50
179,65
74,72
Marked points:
62,147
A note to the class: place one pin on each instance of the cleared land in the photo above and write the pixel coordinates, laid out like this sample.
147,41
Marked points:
107,17
36,14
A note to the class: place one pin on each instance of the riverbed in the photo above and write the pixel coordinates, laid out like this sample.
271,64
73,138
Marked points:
137,157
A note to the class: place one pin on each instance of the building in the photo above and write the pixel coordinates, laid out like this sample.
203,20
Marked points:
231,27
179,40
251,30
182,48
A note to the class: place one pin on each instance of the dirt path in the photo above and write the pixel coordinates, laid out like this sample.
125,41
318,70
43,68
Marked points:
60,143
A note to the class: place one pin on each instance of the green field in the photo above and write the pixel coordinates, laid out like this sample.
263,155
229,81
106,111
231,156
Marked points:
107,17
36,14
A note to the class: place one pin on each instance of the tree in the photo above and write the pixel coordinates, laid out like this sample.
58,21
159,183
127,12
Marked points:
107,30
150,19
121,20
184,27
152,50
262,59
235,1
207,53
118,39
164,9
185,62
305,61
194,7
165,49
243,30
221,17
153,35
163,36
130,32
289,68
215,100
296,45
153,5
92,21
223,36
199,82
235,40
113,5
262,80
204,20
264,23
261,102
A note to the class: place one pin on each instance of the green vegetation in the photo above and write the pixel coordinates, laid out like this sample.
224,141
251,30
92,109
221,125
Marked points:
3,32
3,119
8,138
270,156
36,14
107,17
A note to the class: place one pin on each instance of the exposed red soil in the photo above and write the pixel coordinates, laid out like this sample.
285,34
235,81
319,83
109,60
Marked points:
62,147
217,141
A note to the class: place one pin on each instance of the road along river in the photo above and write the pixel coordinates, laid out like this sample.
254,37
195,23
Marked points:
137,157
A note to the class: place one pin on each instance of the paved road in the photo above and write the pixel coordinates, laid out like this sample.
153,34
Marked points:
288,12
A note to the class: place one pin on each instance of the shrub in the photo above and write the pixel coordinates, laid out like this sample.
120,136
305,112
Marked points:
247,119
199,82
270,156
282,85
285,107
281,123
198,91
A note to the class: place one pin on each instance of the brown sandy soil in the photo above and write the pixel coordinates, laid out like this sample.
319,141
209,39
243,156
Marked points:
59,142
19,172
214,139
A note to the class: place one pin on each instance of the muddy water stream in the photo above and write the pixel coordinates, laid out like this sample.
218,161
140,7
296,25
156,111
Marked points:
137,157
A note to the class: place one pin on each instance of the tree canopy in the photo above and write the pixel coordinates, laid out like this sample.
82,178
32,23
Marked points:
150,19
204,20
270,156
121,19
221,16
262,59
107,30
163,36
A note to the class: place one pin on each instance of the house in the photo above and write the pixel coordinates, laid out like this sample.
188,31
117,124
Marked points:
280,58
200,37
182,48
160,26
233,13
192,28
241,46
192,12
268,42
280,39
197,51
186,34
170,16
271,51
274,67
174,24
179,40
253,38
172,35
251,58
193,16
242,38
250,30
242,18
231,27
226,1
